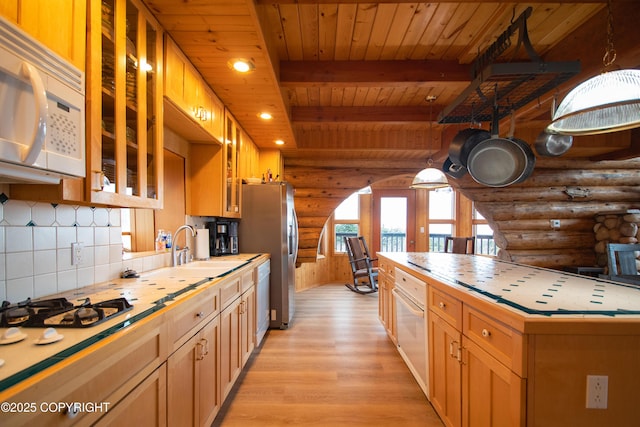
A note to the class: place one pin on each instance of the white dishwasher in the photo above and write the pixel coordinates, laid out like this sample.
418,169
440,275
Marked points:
411,296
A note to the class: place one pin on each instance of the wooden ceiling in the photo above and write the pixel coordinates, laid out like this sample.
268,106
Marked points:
349,79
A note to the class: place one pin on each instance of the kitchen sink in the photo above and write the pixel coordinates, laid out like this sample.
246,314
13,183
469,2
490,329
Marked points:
201,269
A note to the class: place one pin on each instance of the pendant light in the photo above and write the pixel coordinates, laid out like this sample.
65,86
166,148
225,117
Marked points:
608,102
430,178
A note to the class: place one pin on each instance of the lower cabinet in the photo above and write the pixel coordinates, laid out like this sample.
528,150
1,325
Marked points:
230,356
144,406
470,386
193,394
247,323
386,300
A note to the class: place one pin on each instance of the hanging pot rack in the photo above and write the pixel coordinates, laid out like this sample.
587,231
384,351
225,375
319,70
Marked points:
515,84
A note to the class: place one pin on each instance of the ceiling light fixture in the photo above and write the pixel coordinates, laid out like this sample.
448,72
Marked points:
265,116
279,142
608,102
430,178
241,65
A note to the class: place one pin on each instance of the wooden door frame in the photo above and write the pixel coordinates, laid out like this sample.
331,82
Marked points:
410,195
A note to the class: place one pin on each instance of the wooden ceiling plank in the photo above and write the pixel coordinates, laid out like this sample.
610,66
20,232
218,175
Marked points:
344,31
440,1
327,31
308,15
359,42
422,16
382,22
290,21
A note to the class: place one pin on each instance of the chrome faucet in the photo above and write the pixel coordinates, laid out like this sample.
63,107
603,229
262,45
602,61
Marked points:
174,257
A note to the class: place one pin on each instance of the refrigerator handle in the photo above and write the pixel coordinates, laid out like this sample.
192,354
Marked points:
293,237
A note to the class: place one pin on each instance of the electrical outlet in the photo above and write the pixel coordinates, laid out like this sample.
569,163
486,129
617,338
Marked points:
555,223
76,253
273,315
597,390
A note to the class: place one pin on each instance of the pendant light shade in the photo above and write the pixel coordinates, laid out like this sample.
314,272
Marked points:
605,103
430,179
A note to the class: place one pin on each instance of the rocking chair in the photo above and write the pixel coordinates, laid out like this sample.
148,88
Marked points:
365,275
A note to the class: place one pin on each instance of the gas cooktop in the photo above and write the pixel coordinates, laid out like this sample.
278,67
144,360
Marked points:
59,312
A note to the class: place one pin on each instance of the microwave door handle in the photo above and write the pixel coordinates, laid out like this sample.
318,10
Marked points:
40,127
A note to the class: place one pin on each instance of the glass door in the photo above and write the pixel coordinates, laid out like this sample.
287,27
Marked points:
394,220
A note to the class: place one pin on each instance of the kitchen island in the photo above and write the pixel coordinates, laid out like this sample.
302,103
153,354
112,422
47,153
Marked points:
517,345
174,355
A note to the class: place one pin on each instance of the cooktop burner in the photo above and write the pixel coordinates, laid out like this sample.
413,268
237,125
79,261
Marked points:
60,313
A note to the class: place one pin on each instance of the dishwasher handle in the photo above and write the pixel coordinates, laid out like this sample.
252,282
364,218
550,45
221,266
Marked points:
410,305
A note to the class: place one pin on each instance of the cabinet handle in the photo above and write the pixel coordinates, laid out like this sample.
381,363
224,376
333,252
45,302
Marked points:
451,344
205,347
486,333
199,350
200,315
442,305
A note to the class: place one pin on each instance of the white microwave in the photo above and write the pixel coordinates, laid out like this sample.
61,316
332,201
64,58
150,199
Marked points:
42,105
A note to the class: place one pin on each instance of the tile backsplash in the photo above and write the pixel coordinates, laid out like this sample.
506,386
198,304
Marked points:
35,248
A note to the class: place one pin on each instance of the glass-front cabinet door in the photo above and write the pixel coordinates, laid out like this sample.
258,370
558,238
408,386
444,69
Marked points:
124,111
232,186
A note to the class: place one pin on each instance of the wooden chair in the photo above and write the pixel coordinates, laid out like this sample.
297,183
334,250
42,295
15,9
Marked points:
460,245
365,275
621,259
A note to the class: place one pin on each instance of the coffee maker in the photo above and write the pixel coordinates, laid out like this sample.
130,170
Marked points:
223,236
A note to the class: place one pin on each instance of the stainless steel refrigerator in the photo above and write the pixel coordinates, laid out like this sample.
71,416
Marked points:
269,225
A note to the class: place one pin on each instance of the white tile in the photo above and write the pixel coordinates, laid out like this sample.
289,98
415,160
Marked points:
18,239
20,289
101,236
67,280
63,260
3,290
100,255
101,273
101,217
115,254
85,276
44,262
2,239
44,238
65,237
88,254
45,284
115,236
19,264
85,235
65,215
115,269
3,269
43,214
114,217
17,212
84,216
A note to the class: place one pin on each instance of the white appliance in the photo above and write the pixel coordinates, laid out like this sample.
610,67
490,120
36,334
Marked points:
411,327
42,121
269,225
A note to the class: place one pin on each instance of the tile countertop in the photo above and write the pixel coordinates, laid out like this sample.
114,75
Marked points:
526,290
149,293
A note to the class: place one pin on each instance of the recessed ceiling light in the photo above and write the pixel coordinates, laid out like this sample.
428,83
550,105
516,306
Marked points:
265,116
279,142
241,65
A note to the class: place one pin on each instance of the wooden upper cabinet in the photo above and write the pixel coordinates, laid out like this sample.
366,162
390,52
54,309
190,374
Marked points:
232,187
124,105
58,24
192,108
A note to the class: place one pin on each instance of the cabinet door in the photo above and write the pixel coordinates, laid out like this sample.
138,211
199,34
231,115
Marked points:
445,370
124,105
230,356
248,323
231,189
144,406
181,384
58,24
208,373
492,395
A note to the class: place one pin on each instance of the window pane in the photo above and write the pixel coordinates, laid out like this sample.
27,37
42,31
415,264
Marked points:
437,234
476,214
393,224
342,231
441,204
348,209
484,240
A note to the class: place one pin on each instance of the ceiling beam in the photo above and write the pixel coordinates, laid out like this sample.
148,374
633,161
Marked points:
370,73
397,114
270,2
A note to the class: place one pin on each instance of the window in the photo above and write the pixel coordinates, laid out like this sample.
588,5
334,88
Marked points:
346,218
125,223
485,244
441,217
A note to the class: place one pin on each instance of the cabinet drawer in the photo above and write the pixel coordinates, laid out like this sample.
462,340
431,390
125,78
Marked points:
190,315
229,291
247,280
446,306
387,267
497,339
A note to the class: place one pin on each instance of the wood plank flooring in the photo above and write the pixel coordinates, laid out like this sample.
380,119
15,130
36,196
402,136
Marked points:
334,366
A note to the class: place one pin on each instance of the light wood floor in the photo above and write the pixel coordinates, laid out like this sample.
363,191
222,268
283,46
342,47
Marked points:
334,366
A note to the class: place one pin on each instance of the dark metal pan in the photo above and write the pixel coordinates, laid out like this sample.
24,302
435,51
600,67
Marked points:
463,143
453,170
499,162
